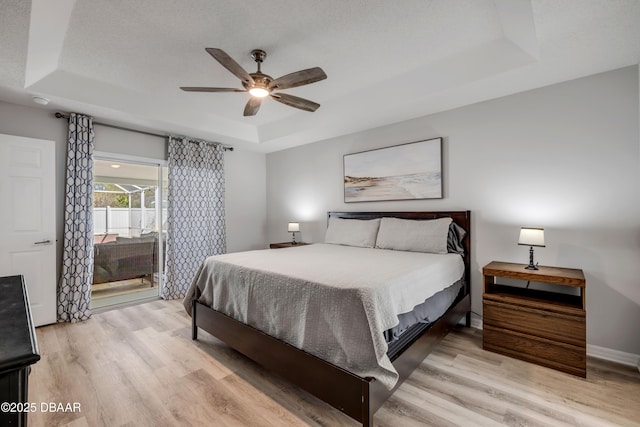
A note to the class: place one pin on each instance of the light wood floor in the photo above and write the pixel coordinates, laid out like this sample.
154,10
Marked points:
137,366
121,287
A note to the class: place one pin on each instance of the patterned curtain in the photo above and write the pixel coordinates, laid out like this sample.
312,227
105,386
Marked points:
74,288
195,221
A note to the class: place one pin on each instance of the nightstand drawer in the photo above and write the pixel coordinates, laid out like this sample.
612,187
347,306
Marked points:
560,356
547,324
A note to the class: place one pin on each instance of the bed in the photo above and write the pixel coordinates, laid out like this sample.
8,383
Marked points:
358,389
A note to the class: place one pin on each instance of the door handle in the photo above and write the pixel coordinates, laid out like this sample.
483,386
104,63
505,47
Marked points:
43,242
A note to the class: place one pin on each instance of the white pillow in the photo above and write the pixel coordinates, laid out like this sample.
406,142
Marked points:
352,232
414,235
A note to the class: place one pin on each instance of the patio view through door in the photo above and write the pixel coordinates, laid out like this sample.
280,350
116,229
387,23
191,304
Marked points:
129,225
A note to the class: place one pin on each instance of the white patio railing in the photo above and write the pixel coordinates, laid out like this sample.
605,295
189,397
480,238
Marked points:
125,222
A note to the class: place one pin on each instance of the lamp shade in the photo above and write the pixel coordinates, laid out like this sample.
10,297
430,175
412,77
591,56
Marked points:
294,226
531,236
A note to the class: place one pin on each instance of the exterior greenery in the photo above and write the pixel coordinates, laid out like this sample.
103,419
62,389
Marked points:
111,195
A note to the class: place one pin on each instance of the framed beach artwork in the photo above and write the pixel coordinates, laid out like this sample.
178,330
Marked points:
402,172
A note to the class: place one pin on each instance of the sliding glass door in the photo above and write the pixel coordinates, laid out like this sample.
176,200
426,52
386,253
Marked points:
129,229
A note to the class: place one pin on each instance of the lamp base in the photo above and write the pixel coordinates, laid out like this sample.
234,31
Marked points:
531,265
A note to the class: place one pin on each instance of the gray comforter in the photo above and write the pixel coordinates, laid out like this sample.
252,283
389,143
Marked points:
332,301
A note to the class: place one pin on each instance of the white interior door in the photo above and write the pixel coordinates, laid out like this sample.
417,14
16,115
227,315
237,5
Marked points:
27,220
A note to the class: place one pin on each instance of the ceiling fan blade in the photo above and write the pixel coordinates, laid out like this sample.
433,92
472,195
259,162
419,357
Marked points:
252,106
296,102
211,89
227,62
299,78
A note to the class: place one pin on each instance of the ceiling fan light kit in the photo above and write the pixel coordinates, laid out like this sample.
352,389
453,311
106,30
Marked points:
259,92
260,85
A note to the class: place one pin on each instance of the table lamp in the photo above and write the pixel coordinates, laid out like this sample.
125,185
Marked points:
293,227
531,236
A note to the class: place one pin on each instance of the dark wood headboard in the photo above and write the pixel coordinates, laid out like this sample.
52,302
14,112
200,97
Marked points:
462,218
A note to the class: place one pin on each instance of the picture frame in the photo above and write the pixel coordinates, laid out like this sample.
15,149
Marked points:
411,171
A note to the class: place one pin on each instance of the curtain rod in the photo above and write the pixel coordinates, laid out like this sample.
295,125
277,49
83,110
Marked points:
60,115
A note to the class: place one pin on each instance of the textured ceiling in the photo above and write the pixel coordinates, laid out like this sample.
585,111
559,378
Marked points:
123,61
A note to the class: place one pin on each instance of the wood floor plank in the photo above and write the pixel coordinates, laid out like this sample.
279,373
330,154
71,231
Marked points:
399,413
272,412
523,392
300,403
444,408
469,394
138,366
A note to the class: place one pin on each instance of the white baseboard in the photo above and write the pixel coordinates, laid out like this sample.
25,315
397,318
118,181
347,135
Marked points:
476,321
611,355
628,359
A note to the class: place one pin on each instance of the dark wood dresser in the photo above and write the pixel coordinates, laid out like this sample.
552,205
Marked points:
543,327
18,350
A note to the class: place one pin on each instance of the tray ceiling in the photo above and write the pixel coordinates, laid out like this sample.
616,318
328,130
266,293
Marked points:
124,61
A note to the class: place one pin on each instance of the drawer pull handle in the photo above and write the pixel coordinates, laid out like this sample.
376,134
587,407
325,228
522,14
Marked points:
43,242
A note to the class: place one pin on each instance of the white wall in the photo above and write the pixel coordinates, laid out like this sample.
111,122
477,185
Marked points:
245,171
111,140
564,157
246,201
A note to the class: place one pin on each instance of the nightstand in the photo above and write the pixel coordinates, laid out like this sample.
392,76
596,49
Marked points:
543,327
286,245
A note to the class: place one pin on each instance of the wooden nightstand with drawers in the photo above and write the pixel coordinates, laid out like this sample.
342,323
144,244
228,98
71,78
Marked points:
543,327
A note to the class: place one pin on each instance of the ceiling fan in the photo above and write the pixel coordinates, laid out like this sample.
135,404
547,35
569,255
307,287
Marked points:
260,85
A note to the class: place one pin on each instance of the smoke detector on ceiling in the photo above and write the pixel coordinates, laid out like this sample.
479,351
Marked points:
40,100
